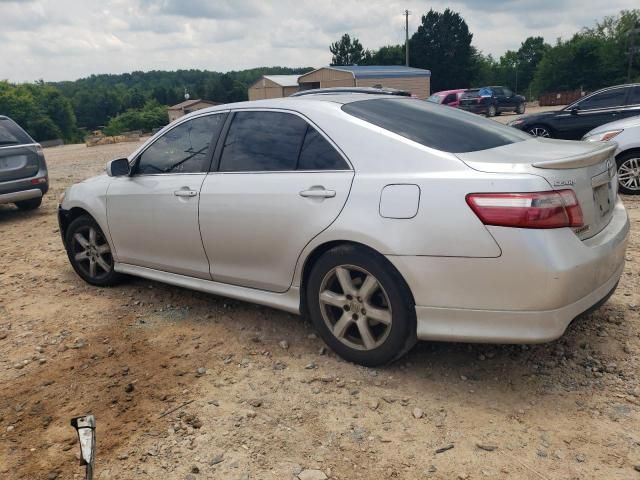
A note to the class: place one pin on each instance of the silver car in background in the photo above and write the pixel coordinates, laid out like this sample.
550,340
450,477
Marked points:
626,134
384,219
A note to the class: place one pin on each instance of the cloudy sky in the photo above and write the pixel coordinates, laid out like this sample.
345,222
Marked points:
68,39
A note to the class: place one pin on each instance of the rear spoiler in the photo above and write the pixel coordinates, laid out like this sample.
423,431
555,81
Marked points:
592,157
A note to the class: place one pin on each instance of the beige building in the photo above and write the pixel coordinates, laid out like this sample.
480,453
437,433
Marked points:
414,80
188,106
274,86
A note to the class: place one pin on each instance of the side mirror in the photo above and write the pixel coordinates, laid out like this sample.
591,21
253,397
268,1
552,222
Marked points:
118,167
575,110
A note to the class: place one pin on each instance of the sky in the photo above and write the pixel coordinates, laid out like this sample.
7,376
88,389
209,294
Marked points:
69,39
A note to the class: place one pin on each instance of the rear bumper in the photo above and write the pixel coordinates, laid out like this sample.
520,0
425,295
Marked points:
540,283
21,195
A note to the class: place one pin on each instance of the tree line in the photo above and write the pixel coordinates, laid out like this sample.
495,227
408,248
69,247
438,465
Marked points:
592,58
118,103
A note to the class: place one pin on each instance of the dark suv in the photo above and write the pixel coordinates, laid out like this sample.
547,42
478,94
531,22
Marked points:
23,171
573,121
492,101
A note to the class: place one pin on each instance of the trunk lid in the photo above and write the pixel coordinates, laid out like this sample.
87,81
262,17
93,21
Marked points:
587,168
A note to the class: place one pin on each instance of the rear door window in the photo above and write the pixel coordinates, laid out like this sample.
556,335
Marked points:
444,129
609,99
12,134
276,141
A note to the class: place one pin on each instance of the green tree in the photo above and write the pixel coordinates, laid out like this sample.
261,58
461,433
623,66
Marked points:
442,44
153,115
347,51
388,55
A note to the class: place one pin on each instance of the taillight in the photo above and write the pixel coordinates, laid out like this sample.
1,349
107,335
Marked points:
553,209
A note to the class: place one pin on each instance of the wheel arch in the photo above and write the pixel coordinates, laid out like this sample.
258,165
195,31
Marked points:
321,249
68,216
629,150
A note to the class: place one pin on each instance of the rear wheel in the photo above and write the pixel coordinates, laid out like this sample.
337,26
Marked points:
629,173
539,131
90,253
361,306
491,111
30,204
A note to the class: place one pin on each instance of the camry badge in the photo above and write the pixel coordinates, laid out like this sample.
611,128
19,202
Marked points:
564,183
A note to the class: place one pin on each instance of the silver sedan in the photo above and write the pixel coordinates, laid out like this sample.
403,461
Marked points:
385,220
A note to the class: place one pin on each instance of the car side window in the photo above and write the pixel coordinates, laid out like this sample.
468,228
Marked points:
450,98
634,96
611,98
507,92
183,149
497,91
318,154
263,141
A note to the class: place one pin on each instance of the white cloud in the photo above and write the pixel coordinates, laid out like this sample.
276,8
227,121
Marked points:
67,39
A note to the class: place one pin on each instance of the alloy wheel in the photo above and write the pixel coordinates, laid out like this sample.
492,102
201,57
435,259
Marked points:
91,252
539,132
355,307
629,174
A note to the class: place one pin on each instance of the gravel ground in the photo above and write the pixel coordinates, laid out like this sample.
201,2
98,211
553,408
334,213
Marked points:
257,396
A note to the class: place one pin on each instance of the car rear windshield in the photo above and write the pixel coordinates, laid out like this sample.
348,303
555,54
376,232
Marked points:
435,126
12,134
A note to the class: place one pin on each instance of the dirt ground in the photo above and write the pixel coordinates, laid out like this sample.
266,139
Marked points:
266,398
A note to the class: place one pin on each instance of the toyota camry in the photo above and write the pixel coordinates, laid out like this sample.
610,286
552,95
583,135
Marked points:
384,219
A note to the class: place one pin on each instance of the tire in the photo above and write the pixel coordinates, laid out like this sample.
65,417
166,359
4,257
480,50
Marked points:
343,314
90,253
30,204
629,173
520,109
539,131
491,111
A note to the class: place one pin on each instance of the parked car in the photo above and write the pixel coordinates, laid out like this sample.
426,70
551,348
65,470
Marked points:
626,134
384,219
492,101
23,170
450,98
591,111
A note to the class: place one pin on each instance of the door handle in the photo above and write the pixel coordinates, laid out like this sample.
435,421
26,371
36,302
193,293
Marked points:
318,193
185,193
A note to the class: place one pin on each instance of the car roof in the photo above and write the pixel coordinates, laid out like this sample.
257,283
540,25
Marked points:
301,102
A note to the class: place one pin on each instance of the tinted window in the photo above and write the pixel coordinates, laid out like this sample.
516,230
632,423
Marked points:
12,134
506,92
183,149
610,98
445,129
318,154
497,91
263,141
634,98
486,92
450,98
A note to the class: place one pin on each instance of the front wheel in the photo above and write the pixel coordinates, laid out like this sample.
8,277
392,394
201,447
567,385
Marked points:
90,253
491,111
629,173
520,108
361,306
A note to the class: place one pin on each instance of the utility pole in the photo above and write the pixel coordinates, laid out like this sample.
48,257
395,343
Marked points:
406,36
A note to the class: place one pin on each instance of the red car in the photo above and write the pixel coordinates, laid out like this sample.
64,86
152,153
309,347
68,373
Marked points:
447,97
